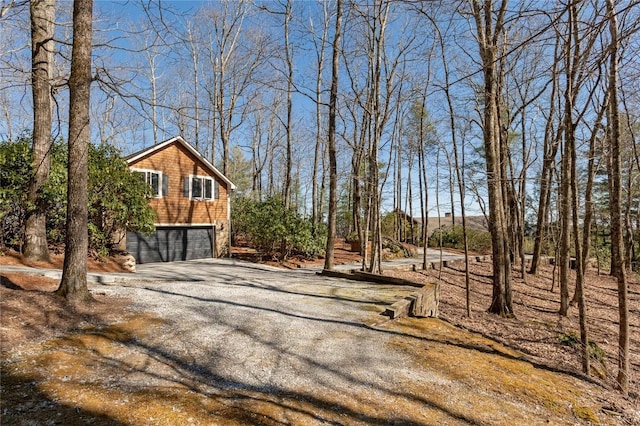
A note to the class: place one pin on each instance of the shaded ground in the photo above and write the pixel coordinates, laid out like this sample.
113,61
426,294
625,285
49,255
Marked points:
538,330
132,359
106,264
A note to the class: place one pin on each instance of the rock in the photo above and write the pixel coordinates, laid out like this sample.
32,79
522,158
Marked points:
129,263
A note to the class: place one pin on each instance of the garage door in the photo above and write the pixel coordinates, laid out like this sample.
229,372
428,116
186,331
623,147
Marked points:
170,244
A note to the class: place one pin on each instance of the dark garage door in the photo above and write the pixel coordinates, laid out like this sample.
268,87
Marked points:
169,244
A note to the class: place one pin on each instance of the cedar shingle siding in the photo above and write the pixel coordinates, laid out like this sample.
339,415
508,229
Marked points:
177,163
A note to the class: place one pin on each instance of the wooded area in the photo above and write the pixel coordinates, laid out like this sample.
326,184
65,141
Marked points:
526,114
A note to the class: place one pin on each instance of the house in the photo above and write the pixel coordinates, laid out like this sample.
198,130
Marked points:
478,223
191,201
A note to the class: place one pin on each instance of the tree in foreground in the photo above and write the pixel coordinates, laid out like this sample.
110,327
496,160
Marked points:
617,240
42,29
74,273
333,173
117,197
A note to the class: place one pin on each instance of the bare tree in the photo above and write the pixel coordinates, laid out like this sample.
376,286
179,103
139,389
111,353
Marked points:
151,55
572,58
331,140
194,48
73,285
42,31
319,41
617,250
550,150
489,24
235,55
288,48
459,172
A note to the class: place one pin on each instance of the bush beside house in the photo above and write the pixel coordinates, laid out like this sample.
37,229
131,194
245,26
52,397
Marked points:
117,197
274,230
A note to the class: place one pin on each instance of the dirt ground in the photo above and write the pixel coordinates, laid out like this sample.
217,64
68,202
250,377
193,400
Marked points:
537,330
105,264
33,316
342,255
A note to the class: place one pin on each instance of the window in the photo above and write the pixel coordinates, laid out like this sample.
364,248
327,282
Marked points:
158,181
196,187
201,188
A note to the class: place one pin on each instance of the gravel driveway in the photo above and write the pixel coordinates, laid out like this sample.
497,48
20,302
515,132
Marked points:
234,325
292,347
263,328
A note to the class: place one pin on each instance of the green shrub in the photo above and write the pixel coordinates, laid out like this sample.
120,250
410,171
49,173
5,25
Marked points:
571,339
396,221
274,230
15,161
479,241
117,197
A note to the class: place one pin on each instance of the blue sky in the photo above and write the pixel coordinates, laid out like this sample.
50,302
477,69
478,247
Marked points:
123,120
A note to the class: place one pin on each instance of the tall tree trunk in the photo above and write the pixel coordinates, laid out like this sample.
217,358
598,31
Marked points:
331,143
289,123
74,273
320,150
580,277
222,120
565,229
194,50
451,182
377,122
617,240
153,79
572,57
424,198
42,30
460,178
587,221
551,144
488,34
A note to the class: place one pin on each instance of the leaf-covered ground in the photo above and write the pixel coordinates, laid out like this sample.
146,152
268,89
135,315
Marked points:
537,330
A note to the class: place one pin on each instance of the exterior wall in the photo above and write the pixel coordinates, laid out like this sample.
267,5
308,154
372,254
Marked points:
175,209
221,239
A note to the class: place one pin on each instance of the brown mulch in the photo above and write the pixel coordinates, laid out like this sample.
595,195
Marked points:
32,312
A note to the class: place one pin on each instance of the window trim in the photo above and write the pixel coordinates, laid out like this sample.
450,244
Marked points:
147,173
203,178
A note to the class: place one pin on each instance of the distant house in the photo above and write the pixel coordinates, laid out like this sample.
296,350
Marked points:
478,223
191,201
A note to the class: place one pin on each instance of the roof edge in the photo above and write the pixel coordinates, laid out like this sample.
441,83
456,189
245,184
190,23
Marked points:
150,150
